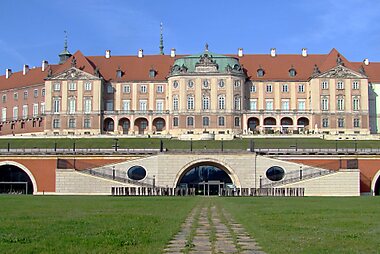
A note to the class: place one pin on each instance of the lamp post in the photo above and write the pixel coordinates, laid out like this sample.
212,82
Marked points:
191,144
222,144
116,144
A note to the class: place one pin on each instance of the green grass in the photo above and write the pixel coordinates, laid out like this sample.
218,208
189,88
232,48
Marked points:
70,224
310,225
89,224
242,144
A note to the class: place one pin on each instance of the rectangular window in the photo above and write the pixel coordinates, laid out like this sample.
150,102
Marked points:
143,88
15,96
72,123
237,83
206,103
25,95
126,105
175,121
43,108
175,103
143,105
355,103
221,120
325,122
253,104
325,103
87,105
325,85
35,93
237,121
87,123
356,122
285,104
3,114
109,105
72,105
160,89
340,122
253,88
4,98
43,92
15,113
87,86
340,85
190,102
35,109
190,121
340,103
56,123
159,105
301,104
206,121
355,85
72,86
237,103
109,89
269,88
301,88
25,111
285,88
57,87
269,104
126,88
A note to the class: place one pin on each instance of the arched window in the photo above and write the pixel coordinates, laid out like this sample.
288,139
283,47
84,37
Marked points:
72,104
260,72
190,121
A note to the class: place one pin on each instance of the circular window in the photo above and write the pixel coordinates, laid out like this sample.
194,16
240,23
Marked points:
175,84
221,83
136,173
275,173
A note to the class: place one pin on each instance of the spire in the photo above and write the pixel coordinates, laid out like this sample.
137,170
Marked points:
65,54
161,40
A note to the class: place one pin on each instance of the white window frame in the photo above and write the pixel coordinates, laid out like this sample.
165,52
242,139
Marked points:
325,103
35,109
4,114
57,87
72,86
285,104
87,86
160,105
190,102
160,89
303,103
222,102
87,105
206,103
126,89
253,104
269,88
143,105
285,88
355,85
339,85
269,104
143,89
175,102
252,88
126,105
301,88
325,85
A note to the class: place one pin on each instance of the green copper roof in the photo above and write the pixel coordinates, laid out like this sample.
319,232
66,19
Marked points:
225,64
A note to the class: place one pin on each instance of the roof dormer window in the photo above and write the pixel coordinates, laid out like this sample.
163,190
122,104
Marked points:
260,72
119,73
292,72
152,73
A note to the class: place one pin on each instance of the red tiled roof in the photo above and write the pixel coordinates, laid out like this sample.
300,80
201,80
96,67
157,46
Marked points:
137,69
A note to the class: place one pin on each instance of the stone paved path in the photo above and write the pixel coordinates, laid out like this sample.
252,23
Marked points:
212,231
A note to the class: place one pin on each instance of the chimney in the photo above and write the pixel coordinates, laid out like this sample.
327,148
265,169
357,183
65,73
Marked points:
45,65
273,52
8,73
141,53
366,61
25,69
304,52
172,52
240,52
108,53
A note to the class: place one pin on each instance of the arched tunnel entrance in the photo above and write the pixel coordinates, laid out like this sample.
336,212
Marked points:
206,178
14,180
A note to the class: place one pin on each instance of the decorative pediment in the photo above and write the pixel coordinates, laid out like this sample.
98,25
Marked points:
340,71
73,74
206,64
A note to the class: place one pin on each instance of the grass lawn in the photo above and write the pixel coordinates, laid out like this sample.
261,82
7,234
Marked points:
80,224
178,144
310,225
70,224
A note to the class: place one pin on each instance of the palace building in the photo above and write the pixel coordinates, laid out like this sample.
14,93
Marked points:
206,95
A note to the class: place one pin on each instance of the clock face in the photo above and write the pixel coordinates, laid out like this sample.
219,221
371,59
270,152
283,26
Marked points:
190,84
221,83
175,84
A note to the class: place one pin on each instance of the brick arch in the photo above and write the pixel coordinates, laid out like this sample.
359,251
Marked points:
375,182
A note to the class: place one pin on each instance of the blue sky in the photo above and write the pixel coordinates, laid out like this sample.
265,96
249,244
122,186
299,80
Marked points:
32,30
